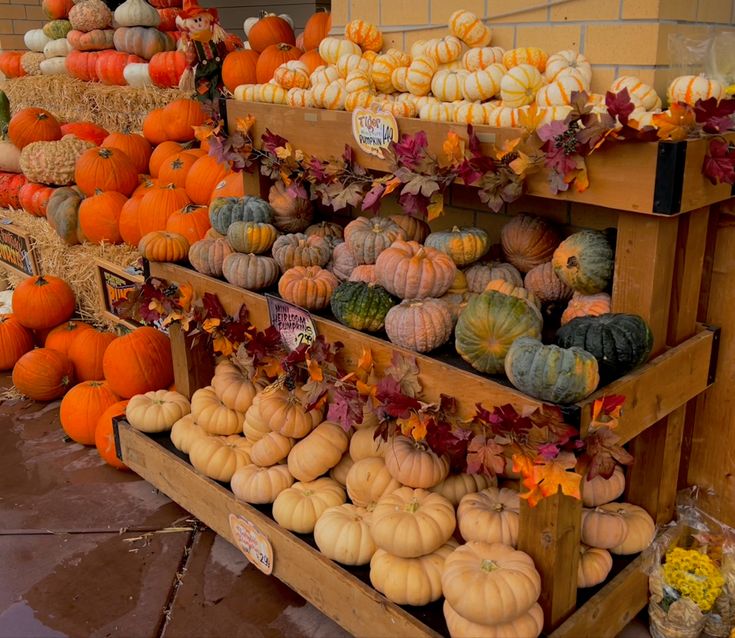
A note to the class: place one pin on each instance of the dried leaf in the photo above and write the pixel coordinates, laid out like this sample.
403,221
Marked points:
436,208
405,371
675,124
485,456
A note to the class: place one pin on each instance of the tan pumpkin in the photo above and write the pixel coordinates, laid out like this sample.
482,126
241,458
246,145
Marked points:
479,275
299,507
342,262
310,287
410,581
318,452
260,485
184,432
252,272
368,237
456,486
603,528
410,523
507,288
599,490
490,583
414,464
368,480
586,306
593,567
297,249
325,229
342,533
364,444
213,415
208,255
339,472
254,427
233,387
545,285
218,457
421,325
156,411
284,413
271,449
414,228
365,273
411,271
491,516
640,527
527,625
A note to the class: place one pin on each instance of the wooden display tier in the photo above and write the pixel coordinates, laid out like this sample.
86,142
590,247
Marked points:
655,177
345,594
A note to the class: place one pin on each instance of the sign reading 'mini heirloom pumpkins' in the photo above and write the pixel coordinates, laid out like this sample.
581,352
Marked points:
252,542
374,130
115,284
16,250
294,323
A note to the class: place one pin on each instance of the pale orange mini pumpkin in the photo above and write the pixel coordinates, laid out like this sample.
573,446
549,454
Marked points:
415,464
412,271
310,287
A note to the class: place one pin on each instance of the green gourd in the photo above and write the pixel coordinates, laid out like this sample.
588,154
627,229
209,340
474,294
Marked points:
488,326
620,342
57,29
584,262
551,373
223,211
361,306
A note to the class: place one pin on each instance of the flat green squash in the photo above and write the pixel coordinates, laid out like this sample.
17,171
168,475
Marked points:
488,326
551,373
361,306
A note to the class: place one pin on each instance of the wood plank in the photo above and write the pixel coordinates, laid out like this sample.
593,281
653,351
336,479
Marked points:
609,610
659,387
467,387
697,190
550,534
348,601
644,270
193,364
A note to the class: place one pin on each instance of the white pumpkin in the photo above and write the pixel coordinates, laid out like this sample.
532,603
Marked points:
35,40
136,13
137,75
641,94
246,92
57,48
563,62
9,158
54,66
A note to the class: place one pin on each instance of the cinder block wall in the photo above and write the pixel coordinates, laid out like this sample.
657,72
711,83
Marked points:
17,17
618,36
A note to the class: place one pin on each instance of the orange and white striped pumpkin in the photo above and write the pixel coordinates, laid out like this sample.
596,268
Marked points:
352,62
332,49
559,92
324,75
399,109
330,96
447,86
640,93
520,85
454,65
437,112
469,28
299,97
246,92
483,84
421,100
552,113
445,49
398,79
690,88
292,74
364,34
481,58
356,81
469,113
419,75
401,57
418,48
568,61
595,98
370,56
381,73
504,116
358,99
525,55
271,94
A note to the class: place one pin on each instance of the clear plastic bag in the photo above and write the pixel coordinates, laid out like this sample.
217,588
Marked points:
713,56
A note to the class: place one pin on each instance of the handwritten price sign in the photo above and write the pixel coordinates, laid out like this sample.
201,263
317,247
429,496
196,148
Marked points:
374,130
294,323
252,542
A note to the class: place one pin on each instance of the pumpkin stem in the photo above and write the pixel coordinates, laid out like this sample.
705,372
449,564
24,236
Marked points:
412,507
488,565
105,153
498,507
40,281
572,262
455,229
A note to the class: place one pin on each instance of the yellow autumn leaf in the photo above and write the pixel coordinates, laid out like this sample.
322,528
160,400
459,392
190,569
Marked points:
156,305
315,371
210,325
244,124
520,164
366,389
223,345
436,207
508,147
186,294
414,426
453,150
676,123
284,152
531,118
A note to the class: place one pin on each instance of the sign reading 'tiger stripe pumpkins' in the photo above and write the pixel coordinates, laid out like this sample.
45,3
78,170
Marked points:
374,130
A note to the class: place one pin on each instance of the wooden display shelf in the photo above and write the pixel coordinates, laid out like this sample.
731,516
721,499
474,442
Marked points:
344,594
654,177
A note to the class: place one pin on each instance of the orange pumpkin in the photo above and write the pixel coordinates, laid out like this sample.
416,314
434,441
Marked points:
105,169
268,31
15,341
82,407
203,177
10,65
180,117
42,302
34,198
104,437
316,29
191,221
99,217
176,167
273,57
312,60
43,374
231,186
86,353
62,336
88,131
161,245
139,362
159,155
154,129
158,205
33,125
239,68
135,146
129,221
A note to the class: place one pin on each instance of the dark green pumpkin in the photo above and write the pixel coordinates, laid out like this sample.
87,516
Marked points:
361,306
618,341
551,373
223,211
584,262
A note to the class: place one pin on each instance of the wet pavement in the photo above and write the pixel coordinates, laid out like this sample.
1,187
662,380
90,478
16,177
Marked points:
87,551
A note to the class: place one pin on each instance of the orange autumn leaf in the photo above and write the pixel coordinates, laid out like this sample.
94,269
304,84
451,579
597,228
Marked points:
391,185
675,124
553,475
533,496
523,465
222,345
453,150
414,426
271,367
531,118
365,362
606,411
366,389
315,371
186,294
203,133
244,124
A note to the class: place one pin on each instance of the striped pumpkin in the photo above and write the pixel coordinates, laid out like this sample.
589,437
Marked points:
504,116
352,62
382,71
419,75
690,88
364,34
299,97
330,96
641,94
360,99
481,58
483,84
469,28
447,86
568,61
469,113
559,92
444,50
332,49
520,85
292,74
246,92
526,55
552,113
357,80
437,112
324,75
271,94
398,79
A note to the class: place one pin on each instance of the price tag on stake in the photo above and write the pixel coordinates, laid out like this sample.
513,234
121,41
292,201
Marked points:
293,323
374,130
252,542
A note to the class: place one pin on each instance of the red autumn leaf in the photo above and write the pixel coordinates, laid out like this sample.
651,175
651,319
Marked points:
619,105
719,163
485,456
602,453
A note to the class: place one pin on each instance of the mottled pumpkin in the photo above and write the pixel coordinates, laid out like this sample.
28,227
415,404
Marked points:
310,287
326,230
586,306
479,275
251,237
368,237
342,262
421,325
223,211
416,229
252,272
297,249
361,306
489,325
463,245
411,271
542,281
207,256
584,261
551,373
528,241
